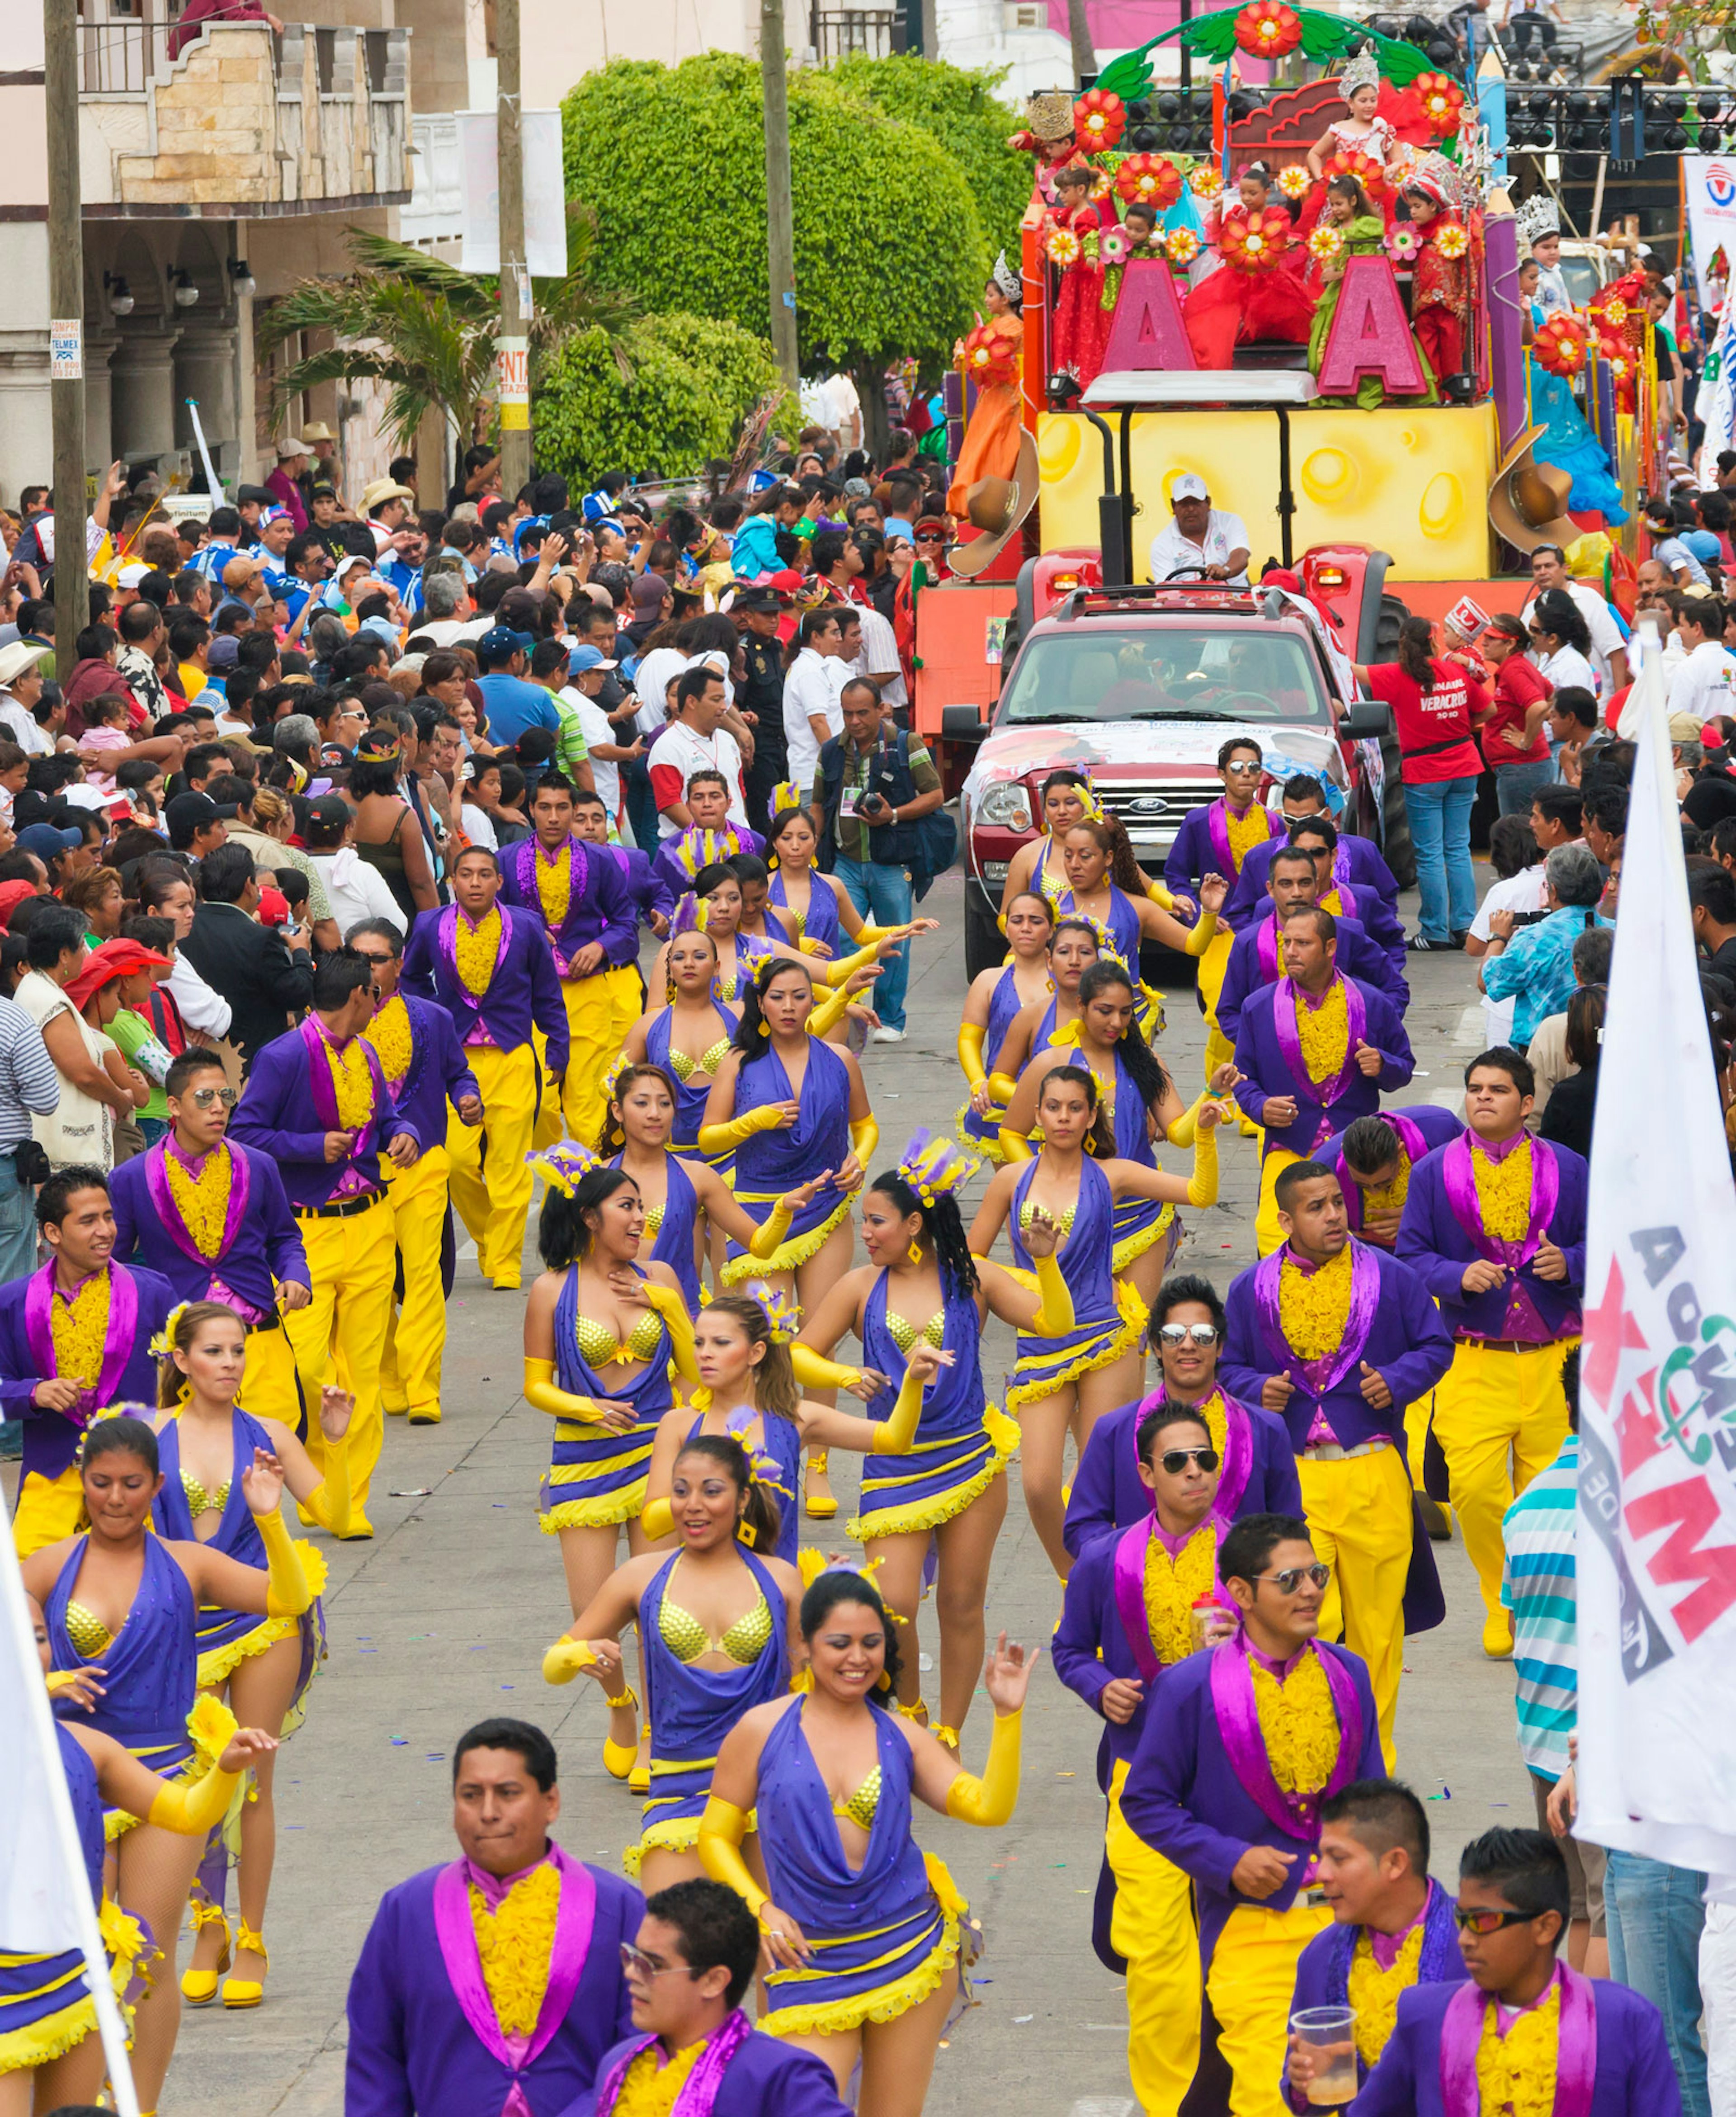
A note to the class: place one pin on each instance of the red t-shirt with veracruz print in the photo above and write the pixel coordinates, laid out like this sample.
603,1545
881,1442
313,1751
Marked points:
1434,725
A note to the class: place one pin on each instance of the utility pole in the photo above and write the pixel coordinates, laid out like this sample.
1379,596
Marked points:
66,329
515,279
1078,36
780,214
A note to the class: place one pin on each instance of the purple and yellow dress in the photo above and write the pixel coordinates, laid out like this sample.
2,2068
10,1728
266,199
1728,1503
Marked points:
690,1102
726,986
963,1442
1004,1008
596,1479
884,1936
1124,937
1109,1317
821,923
672,1224
777,1464
1139,1224
227,1637
768,1164
691,1709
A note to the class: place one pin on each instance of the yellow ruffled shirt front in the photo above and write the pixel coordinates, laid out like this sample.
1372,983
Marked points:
389,1034
475,949
1324,1033
1504,1191
1314,1306
1373,1992
79,1329
650,2090
202,1201
1298,1723
554,886
1251,829
1515,2073
353,1084
1172,1587
514,1944
1390,1197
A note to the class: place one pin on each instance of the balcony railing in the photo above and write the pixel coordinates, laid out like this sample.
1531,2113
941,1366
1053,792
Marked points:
121,48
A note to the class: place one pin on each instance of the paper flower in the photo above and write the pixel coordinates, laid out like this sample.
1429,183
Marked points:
1614,312
1101,186
1114,246
1560,345
1255,244
1062,246
1295,181
1181,245
1267,28
1154,178
1402,243
1099,119
1205,180
1326,244
1368,173
986,357
1451,242
1440,101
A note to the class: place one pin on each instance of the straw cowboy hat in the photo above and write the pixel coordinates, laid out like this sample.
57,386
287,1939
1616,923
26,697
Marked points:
1528,500
997,507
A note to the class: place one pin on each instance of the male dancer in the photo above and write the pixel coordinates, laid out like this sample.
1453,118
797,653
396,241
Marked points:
1226,1782
1345,897
578,901
1216,840
214,1218
1257,954
654,905
1337,1338
1109,1488
1356,858
75,1336
490,966
1137,1604
425,1069
1391,1927
436,2027
1315,1050
1495,1225
710,835
1527,2031
317,1103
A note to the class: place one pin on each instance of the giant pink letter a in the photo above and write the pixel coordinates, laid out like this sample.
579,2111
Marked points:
1147,332
1370,335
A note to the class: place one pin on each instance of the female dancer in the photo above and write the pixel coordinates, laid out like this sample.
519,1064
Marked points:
1239,303
1072,229
1068,798
50,2056
991,1005
728,1644
131,1629
806,909
862,1931
717,902
1073,949
205,1440
749,1391
1105,884
600,1332
1347,208
922,1289
687,1038
1066,1381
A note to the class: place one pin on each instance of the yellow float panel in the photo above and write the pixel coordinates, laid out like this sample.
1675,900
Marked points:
1412,483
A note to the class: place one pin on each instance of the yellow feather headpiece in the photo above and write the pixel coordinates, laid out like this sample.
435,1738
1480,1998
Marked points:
932,1165
783,1311
564,1167
163,1344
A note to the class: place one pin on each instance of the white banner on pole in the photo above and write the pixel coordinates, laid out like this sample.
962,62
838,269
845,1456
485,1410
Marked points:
1715,403
545,192
1656,1559
1708,183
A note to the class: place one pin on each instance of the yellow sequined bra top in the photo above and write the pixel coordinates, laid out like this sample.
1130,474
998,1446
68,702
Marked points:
904,1334
687,1638
86,1631
684,1068
1061,1215
602,1348
199,1500
863,1804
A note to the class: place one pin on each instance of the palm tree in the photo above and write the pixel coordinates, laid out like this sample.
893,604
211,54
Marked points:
428,331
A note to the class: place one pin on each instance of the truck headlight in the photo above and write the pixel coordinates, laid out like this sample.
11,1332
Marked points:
1006,805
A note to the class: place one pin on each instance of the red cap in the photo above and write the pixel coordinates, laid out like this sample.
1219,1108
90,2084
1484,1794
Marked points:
114,959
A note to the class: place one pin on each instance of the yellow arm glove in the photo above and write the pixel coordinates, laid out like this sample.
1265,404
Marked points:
813,1371
1054,1318
828,1013
1180,1133
990,1800
864,1135
657,1518
767,1238
1015,1146
287,1592
846,966
722,1828
970,1052
1202,1186
720,1138
669,1304
1199,937
190,1811
541,1394
565,1658
1160,896
328,1502
897,1435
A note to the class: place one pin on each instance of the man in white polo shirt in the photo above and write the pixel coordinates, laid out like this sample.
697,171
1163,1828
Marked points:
1609,655
1201,535
1700,684
694,741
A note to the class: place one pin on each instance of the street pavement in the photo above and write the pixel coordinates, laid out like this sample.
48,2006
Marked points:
442,1620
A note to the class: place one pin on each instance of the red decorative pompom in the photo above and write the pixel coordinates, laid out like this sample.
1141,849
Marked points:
1267,29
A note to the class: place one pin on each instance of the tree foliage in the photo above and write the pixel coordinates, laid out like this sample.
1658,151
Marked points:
890,249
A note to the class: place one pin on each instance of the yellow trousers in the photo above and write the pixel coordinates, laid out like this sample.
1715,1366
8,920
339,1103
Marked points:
1251,1981
1208,981
1154,1927
1416,1417
1267,1235
491,1185
344,1325
1359,1516
626,1003
268,1381
1500,1417
590,1005
416,1335
47,1509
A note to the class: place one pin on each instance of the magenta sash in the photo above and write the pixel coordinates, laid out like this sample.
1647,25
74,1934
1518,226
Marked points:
1238,1723
162,1199
1325,1093
579,881
1459,1177
1414,1145
1237,1465
456,1935
123,1329
699,2090
1265,940
446,936
1319,1378
1576,2060
1216,822
1131,1550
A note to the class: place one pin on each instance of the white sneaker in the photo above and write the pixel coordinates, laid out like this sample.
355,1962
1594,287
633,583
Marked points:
887,1036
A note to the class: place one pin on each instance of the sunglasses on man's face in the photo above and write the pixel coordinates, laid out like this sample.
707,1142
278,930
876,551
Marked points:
205,1099
1287,1582
1175,1461
1476,1920
1242,770
1187,1333
635,1963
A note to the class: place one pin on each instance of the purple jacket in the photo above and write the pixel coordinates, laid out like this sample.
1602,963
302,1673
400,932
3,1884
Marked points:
647,891
1634,2077
1193,856
524,990
439,1073
765,2078
267,1244
1108,1494
1260,1057
412,2053
1358,957
598,910
1322,1972
1182,1795
50,1438
276,1117
1357,861
1435,1245
1436,1125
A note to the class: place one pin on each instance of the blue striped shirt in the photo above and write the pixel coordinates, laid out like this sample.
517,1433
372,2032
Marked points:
1537,1585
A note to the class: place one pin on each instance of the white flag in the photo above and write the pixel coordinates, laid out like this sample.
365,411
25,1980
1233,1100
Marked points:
1657,1458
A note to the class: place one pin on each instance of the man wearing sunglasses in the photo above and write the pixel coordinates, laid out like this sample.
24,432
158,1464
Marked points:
1357,860
213,1217
1216,840
1337,1337
1110,1489
1524,2015
1133,1612
426,2032
688,1970
1202,1788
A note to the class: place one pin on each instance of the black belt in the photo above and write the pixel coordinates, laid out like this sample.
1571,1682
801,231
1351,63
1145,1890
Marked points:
273,1321
345,1210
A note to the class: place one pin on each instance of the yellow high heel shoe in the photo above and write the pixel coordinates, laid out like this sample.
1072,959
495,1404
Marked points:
619,1758
238,1992
821,1506
638,1779
199,1987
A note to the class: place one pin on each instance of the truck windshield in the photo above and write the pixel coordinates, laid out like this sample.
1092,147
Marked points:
1169,673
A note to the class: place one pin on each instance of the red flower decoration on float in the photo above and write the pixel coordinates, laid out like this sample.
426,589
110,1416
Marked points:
986,357
1560,345
1099,119
1267,29
1452,240
1368,173
1152,178
1441,102
1255,244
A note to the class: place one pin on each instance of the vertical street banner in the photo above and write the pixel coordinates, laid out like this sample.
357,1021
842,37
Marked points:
1656,1547
1709,184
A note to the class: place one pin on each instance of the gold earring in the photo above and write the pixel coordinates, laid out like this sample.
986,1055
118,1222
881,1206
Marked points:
915,1251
